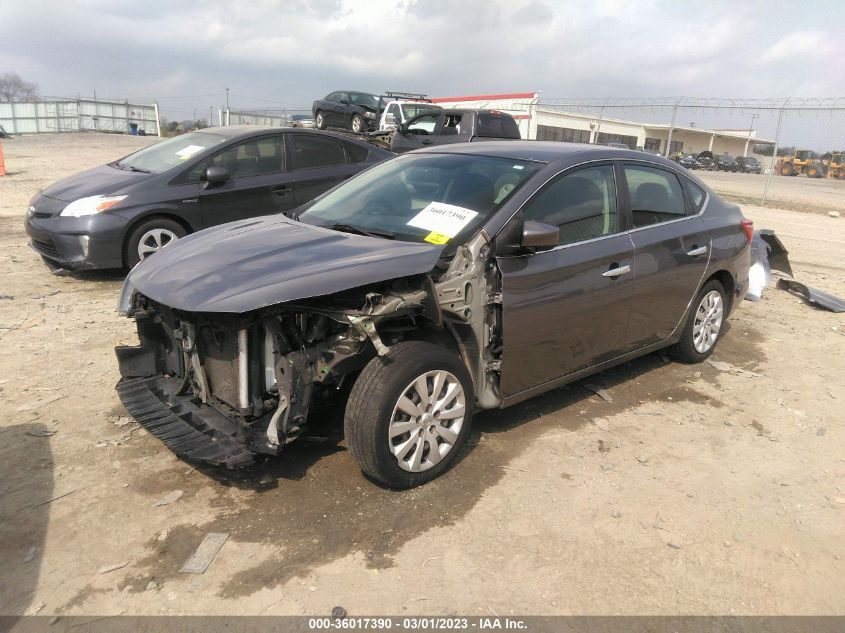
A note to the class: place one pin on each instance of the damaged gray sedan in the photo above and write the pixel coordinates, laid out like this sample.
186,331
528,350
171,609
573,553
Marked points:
443,281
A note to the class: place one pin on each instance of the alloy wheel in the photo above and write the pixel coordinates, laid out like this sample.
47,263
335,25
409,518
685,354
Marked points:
708,322
427,421
154,240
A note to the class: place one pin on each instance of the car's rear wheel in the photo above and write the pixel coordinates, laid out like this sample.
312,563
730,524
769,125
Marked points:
409,413
704,325
150,237
357,124
320,120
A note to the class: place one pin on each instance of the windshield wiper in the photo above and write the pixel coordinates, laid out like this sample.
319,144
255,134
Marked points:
350,228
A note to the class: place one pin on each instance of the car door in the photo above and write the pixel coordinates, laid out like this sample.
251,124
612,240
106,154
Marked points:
258,183
566,308
318,163
671,250
417,133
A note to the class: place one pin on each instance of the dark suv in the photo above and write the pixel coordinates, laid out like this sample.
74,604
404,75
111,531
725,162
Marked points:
749,165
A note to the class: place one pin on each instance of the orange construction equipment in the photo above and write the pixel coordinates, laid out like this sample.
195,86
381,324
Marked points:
2,162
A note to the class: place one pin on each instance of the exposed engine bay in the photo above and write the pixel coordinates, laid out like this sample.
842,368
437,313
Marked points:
220,387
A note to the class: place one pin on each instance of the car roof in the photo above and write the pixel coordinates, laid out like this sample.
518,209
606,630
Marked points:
543,151
247,131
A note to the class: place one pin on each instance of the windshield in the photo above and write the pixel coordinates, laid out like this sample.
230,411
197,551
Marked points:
168,154
363,99
433,198
413,109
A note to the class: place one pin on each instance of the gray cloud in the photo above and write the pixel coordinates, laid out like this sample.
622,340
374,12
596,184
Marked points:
273,53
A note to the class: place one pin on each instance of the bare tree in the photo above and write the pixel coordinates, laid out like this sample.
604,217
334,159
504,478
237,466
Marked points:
14,88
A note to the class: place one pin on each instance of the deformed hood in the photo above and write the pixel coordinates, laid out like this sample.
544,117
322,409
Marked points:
251,264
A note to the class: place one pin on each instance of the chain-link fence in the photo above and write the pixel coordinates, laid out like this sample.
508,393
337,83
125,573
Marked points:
786,153
274,117
55,114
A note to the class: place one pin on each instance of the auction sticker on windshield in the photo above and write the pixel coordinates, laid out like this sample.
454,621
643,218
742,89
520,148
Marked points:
186,152
443,219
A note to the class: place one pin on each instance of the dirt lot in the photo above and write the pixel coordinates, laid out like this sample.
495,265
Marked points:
799,193
698,490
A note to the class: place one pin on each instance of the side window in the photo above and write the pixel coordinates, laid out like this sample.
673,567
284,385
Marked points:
335,96
252,157
582,204
397,115
497,125
355,153
315,151
656,195
451,124
423,124
697,195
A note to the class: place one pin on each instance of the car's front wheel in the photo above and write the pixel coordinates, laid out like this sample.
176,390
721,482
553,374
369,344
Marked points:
320,120
408,414
150,237
357,124
704,325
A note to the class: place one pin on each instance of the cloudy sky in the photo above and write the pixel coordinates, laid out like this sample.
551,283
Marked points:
274,54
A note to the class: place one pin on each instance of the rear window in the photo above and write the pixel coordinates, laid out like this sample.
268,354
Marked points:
498,125
697,195
311,151
355,153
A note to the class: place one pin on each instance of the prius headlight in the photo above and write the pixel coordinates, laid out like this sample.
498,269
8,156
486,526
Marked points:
127,297
90,205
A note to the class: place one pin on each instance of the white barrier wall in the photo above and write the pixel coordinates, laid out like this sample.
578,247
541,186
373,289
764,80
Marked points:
77,115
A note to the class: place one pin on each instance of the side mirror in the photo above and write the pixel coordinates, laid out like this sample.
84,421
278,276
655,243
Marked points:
539,235
344,101
390,119
216,175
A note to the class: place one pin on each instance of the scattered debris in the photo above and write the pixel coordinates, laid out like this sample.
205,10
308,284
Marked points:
616,514
30,555
643,460
6,297
152,585
170,497
813,295
338,613
821,431
601,393
205,553
44,503
41,433
122,421
428,560
833,214
34,609
602,423
674,545
115,567
603,448
32,406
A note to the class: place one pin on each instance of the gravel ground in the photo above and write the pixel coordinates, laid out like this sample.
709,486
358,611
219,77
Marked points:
706,489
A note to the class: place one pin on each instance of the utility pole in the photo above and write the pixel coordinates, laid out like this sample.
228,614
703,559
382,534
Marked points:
774,155
671,129
227,98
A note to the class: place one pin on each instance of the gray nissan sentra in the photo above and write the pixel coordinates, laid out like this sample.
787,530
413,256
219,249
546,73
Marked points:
114,215
455,278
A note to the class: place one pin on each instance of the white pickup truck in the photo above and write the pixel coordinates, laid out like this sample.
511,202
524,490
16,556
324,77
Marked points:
402,110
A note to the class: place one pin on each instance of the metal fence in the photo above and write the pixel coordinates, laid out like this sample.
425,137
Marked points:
798,145
276,117
77,115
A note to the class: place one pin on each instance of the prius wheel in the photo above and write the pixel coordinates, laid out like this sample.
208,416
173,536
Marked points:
320,121
150,237
357,123
409,413
704,325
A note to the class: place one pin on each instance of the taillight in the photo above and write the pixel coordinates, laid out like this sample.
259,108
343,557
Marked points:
748,229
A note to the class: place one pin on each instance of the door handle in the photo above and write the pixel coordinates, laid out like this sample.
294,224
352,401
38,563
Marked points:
696,252
616,271
427,142
282,190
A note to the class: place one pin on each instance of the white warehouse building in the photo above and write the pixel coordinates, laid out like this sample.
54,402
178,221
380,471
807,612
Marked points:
543,123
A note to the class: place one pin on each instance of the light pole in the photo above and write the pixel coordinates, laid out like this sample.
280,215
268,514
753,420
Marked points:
227,106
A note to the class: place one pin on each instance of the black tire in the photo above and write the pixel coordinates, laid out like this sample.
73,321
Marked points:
171,230
374,398
685,350
319,120
356,124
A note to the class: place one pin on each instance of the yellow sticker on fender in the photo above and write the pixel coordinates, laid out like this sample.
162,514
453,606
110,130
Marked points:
436,238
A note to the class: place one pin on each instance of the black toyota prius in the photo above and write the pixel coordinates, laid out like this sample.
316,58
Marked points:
115,215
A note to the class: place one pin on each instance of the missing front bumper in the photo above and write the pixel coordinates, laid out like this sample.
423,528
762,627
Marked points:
193,431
